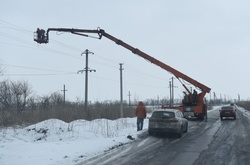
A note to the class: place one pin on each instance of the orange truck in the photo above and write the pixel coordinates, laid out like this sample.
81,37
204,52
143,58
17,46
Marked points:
193,104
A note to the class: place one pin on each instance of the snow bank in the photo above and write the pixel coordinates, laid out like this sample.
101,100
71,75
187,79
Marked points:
53,141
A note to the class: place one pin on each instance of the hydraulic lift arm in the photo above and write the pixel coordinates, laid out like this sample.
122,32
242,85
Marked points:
41,37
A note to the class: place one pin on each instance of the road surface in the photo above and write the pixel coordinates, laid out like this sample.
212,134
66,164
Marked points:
214,142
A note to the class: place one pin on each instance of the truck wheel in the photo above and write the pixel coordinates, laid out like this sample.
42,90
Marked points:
201,118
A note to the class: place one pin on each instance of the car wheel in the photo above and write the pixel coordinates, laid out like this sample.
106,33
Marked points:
186,128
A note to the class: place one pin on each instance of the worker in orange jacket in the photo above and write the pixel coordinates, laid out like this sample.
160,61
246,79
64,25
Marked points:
140,113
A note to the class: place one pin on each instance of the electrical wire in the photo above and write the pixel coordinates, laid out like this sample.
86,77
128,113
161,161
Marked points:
107,61
25,67
8,25
46,74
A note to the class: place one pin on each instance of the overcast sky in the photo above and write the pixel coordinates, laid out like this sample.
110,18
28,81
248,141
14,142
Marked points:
206,40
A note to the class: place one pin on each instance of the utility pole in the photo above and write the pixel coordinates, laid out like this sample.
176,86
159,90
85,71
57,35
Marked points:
210,96
121,102
86,70
64,90
129,99
172,91
158,101
170,87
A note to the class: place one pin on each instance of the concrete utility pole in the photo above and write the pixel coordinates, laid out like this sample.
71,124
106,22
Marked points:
129,99
210,96
170,87
86,70
121,102
158,101
172,91
64,90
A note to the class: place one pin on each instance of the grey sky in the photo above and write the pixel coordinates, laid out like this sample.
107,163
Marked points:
206,40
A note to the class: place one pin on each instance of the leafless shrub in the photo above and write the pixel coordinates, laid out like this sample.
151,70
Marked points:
244,104
19,106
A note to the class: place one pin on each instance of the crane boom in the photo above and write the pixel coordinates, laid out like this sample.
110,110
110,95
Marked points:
101,33
159,63
41,37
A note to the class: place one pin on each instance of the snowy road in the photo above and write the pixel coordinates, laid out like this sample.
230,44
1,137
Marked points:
213,142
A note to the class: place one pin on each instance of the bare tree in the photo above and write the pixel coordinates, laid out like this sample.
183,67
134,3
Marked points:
44,102
13,95
56,98
32,103
5,96
20,92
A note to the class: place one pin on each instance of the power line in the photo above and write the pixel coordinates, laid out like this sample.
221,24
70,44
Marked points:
26,67
108,61
15,27
39,74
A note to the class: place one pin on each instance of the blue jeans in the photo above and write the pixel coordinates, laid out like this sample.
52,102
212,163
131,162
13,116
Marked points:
139,123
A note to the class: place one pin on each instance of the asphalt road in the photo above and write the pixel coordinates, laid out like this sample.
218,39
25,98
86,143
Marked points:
214,142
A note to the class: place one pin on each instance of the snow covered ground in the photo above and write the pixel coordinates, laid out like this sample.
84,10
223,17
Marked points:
54,142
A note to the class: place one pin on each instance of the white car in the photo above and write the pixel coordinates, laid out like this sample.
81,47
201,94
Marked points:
167,121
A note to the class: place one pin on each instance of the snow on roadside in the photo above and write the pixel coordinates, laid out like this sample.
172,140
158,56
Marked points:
54,142
244,112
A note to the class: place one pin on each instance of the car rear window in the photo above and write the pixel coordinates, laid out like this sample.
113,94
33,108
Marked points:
227,108
162,114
